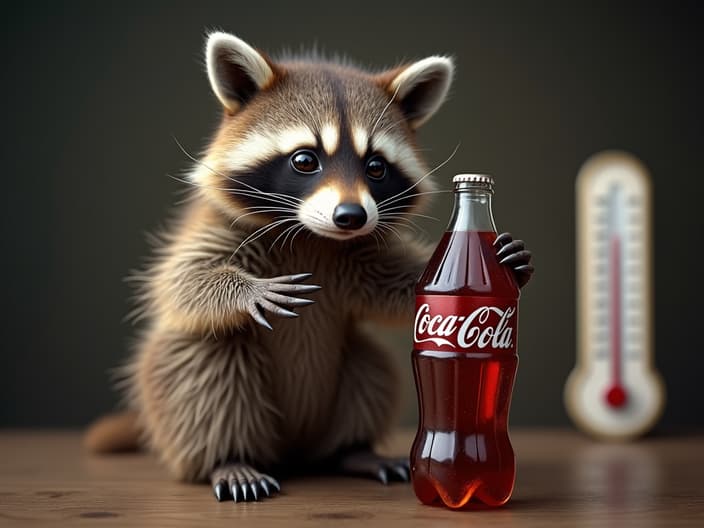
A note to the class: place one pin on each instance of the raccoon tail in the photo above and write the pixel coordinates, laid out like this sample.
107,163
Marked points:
113,433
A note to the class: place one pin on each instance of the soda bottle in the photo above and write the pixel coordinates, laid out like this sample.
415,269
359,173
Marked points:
464,359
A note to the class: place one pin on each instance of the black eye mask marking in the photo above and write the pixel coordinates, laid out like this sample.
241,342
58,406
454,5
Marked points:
279,185
392,184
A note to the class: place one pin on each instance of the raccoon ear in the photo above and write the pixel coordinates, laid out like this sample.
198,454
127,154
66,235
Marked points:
236,70
420,88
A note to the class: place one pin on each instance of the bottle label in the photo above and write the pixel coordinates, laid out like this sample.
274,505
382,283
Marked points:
451,323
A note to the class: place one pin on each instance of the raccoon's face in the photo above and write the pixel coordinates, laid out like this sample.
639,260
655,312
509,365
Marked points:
320,144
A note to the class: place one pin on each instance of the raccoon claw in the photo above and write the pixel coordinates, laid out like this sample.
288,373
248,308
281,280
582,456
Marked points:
258,317
273,297
511,247
503,238
514,254
289,278
242,483
220,489
517,258
369,464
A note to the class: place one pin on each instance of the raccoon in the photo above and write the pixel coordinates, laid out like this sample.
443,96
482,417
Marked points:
297,209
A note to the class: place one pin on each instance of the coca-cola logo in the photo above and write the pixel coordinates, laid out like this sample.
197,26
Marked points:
484,327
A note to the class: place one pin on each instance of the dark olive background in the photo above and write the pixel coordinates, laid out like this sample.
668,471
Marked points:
93,95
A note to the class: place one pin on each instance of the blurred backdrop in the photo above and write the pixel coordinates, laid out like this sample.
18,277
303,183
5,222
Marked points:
94,93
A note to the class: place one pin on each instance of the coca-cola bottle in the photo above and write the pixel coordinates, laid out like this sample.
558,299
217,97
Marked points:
465,360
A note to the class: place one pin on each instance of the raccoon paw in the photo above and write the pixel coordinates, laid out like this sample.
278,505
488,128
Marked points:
514,254
271,295
366,463
242,483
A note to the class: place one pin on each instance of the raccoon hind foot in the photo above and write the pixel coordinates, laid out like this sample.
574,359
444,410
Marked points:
242,483
366,463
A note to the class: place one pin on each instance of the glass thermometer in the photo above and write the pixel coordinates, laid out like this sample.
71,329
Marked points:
614,390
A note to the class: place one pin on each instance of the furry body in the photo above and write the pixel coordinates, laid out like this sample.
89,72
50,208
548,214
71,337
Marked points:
313,170
314,385
210,385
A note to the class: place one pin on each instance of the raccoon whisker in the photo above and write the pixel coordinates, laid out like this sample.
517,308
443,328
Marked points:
185,200
266,210
377,237
400,214
284,197
290,244
292,232
407,223
391,199
383,240
203,164
232,225
194,184
408,196
391,229
376,124
405,119
260,208
384,209
262,196
287,230
266,206
404,223
260,232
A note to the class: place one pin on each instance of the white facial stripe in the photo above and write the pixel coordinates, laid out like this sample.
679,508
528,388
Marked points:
369,205
316,213
360,139
259,147
294,138
254,149
330,136
389,146
397,151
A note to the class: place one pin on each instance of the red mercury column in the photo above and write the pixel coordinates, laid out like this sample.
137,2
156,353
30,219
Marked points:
616,395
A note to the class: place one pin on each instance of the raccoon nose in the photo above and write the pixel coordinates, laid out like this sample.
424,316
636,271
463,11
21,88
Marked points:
349,216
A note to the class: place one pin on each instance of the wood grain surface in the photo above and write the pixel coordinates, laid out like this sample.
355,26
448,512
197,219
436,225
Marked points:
564,479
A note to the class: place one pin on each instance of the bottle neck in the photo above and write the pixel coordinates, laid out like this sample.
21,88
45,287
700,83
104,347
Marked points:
472,209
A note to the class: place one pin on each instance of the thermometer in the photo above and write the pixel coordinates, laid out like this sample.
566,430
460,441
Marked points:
614,390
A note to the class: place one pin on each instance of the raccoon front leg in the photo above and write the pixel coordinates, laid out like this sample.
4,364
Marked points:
365,407
205,296
206,406
513,253
385,281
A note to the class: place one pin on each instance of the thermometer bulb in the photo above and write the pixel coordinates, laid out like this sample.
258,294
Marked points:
616,396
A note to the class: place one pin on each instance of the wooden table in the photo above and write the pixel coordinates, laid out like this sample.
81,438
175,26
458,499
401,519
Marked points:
564,479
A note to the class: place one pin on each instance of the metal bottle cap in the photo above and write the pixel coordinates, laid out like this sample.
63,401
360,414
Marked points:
473,178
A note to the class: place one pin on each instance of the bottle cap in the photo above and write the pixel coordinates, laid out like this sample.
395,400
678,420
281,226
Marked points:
473,178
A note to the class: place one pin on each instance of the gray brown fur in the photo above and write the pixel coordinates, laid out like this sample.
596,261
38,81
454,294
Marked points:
210,385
